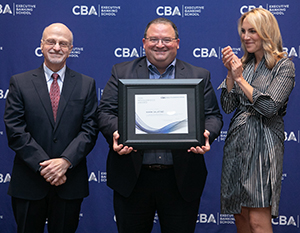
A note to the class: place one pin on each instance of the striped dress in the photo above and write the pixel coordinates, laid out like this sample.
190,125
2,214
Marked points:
254,146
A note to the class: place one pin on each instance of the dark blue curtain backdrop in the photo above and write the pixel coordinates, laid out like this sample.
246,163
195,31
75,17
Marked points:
108,32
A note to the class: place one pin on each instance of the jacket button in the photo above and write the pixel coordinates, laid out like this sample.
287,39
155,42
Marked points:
54,139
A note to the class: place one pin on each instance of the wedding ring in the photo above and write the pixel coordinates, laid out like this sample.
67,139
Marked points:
49,178
233,61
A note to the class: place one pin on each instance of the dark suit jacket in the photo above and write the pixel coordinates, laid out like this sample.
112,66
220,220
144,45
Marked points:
35,137
123,171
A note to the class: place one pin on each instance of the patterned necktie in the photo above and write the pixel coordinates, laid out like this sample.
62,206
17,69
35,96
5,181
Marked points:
54,94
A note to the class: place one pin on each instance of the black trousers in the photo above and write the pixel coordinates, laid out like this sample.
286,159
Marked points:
155,191
62,215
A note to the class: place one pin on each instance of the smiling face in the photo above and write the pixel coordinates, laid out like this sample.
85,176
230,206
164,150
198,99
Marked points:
56,46
251,39
161,54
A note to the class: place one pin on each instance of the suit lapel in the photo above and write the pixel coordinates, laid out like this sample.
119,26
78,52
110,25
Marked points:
39,81
179,70
68,86
142,69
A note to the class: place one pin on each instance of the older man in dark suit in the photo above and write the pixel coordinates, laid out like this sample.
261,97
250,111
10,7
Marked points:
51,126
167,181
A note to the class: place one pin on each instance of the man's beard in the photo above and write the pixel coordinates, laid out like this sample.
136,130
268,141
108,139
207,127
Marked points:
56,60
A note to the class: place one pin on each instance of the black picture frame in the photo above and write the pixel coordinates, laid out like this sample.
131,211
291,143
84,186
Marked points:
192,88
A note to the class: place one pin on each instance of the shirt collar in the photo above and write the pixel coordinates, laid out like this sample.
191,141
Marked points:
152,67
49,72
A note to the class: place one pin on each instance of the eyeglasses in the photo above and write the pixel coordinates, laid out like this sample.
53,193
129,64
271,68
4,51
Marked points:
52,42
164,41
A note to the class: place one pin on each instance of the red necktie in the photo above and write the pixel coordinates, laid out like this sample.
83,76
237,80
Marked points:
54,94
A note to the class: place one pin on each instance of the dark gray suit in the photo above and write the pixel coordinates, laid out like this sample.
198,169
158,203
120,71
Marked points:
35,137
123,171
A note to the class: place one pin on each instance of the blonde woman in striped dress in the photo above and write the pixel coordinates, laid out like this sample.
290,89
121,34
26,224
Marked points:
257,87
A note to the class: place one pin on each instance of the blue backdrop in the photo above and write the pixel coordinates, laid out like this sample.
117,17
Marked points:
111,31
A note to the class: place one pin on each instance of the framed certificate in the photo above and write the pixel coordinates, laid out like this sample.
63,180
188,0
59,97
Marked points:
161,113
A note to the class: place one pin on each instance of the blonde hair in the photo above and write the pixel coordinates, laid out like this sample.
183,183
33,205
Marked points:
266,26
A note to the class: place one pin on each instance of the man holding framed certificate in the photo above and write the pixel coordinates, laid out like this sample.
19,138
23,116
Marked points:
167,180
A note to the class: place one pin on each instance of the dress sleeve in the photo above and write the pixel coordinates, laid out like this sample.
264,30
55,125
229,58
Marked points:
229,100
276,95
